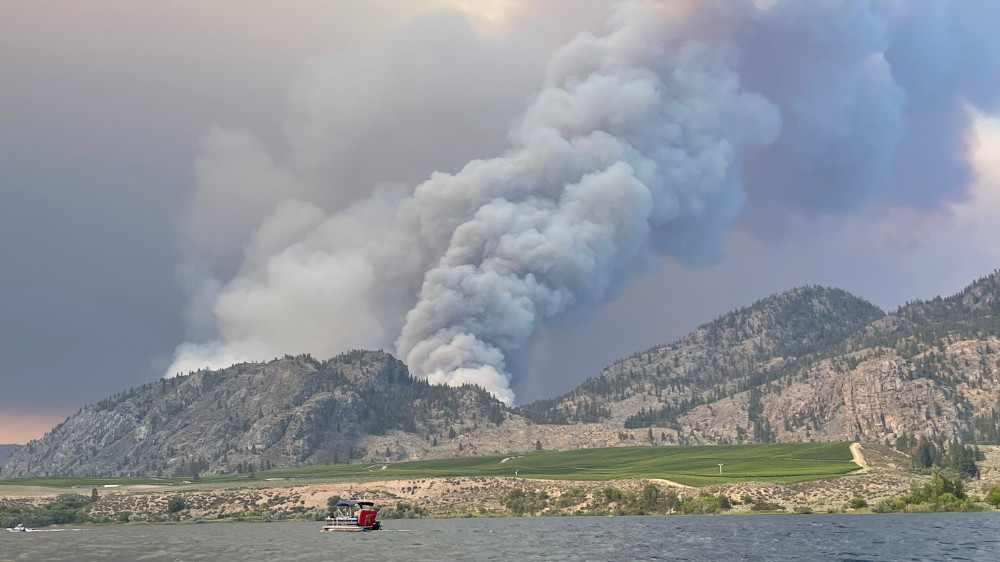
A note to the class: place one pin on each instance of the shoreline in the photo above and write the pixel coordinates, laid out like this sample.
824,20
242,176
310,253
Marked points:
881,475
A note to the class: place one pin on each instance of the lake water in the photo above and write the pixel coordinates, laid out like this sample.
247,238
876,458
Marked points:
946,536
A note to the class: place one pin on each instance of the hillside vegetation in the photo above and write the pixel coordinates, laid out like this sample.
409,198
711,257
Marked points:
811,364
691,465
253,417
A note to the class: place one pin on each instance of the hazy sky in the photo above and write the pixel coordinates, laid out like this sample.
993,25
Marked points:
144,146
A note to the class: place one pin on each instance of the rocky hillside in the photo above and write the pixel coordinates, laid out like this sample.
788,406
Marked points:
728,356
811,363
287,412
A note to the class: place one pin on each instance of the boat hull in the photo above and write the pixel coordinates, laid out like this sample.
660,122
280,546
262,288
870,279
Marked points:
350,525
347,529
350,521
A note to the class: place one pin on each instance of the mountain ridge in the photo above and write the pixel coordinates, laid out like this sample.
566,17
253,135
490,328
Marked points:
252,416
811,363
744,331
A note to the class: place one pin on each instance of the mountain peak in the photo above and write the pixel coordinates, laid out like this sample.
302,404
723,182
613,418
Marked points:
809,363
286,412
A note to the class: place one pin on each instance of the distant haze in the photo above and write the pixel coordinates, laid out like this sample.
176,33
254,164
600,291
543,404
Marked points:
20,427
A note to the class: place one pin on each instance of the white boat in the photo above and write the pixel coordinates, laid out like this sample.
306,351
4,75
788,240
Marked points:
353,516
19,528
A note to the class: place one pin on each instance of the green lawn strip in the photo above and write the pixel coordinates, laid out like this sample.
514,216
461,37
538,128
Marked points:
70,482
691,465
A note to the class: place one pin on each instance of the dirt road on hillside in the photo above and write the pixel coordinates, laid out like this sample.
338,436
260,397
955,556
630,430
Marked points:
859,459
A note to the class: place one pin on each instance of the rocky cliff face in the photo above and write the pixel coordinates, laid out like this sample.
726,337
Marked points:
809,364
812,363
287,412
723,358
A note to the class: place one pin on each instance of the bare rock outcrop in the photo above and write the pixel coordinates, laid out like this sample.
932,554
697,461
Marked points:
812,363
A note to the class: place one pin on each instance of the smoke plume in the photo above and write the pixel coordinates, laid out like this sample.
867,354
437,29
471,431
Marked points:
637,146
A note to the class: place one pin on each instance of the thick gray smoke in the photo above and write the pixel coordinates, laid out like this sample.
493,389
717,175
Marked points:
634,148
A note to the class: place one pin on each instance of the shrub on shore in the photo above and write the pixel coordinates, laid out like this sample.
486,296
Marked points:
651,500
68,508
402,510
944,492
857,503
